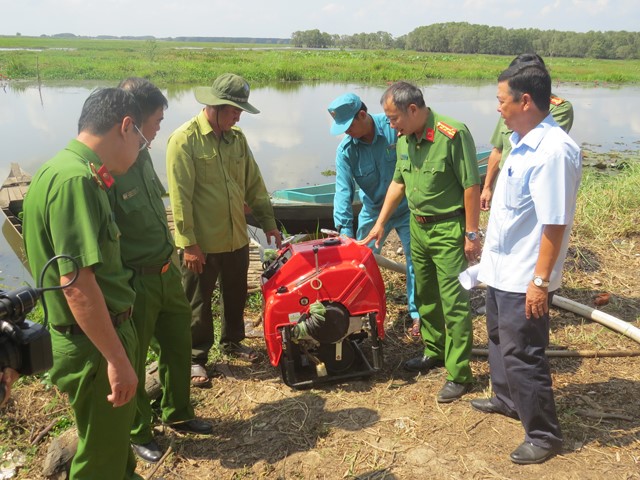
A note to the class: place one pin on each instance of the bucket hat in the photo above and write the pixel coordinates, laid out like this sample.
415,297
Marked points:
227,89
343,110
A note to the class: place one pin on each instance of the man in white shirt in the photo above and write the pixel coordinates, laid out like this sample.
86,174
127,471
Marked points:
526,244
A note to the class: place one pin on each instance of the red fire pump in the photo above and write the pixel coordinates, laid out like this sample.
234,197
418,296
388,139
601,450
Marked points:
322,300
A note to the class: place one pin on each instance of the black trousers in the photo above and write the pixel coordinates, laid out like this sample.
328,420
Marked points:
520,375
232,269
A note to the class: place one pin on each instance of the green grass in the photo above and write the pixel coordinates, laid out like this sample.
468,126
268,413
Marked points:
608,206
170,63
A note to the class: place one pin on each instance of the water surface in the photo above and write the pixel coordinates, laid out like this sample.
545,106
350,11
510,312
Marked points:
290,137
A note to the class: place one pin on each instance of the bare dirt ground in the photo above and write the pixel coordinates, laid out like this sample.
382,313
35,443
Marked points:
391,427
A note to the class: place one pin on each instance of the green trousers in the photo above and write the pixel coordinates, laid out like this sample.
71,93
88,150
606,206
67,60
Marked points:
80,371
162,317
437,252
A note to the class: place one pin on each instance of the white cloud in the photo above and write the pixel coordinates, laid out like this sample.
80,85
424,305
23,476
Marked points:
333,8
593,7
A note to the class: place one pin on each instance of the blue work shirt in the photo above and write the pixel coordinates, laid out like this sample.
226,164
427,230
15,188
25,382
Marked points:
539,187
370,167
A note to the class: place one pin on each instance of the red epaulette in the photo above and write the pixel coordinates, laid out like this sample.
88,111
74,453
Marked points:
556,100
448,130
102,177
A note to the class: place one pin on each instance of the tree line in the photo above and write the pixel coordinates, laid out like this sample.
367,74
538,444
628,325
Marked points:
463,37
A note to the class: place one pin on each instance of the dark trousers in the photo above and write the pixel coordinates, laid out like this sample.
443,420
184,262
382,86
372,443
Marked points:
520,375
232,268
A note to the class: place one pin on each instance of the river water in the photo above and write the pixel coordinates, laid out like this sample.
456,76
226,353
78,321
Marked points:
290,137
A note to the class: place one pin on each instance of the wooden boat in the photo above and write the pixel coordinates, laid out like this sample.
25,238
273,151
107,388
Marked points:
12,194
310,209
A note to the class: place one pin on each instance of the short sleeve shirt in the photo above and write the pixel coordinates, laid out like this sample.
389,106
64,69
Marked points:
560,109
67,211
538,187
438,167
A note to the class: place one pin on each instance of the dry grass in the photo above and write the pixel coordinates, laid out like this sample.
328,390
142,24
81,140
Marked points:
391,426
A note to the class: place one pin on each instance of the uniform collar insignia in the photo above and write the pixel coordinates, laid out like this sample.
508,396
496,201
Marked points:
429,134
102,177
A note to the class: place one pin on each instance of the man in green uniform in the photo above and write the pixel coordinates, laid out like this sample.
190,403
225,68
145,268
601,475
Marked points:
67,211
212,174
161,311
560,109
437,170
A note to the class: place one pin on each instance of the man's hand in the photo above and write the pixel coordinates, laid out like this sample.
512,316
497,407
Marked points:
485,198
493,169
193,258
123,382
275,235
377,232
472,249
536,301
7,377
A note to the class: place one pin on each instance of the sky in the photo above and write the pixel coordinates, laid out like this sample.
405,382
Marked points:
280,18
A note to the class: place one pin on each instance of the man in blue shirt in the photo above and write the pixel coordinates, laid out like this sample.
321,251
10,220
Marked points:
366,159
525,247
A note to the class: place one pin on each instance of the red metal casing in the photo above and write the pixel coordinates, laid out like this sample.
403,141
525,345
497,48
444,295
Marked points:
345,272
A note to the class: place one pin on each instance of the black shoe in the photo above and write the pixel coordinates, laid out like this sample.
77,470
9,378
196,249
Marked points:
193,426
148,451
422,364
452,391
528,453
240,351
485,405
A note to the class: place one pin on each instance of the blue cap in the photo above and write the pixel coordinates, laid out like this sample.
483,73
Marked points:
343,109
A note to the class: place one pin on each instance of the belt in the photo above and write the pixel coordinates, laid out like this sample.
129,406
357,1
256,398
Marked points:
154,270
438,218
117,319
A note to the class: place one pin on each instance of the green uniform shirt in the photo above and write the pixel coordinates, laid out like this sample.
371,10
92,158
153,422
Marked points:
66,211
210,180
560,109
141,216
438,168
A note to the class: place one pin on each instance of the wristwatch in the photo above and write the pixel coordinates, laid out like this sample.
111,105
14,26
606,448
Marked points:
538,281
471,236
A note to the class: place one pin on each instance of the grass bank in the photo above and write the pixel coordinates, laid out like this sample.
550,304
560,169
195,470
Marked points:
166,62
608,208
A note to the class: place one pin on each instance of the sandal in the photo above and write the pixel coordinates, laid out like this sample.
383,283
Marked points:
415,328
241,352
199,376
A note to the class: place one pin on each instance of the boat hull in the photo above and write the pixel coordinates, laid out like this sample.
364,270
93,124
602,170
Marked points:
310,209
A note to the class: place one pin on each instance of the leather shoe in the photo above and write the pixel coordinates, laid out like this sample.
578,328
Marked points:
241,352
193,426
148,451
452,391
422,364
528,453
485,405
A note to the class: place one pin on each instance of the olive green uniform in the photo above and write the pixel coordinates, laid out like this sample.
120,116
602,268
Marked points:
435,170
560,109
210,180
161,311
66,211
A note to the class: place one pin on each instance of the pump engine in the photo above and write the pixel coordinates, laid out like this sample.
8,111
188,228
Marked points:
323,299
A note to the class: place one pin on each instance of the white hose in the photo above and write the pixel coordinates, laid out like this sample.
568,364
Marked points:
469,278
599,316
384,262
